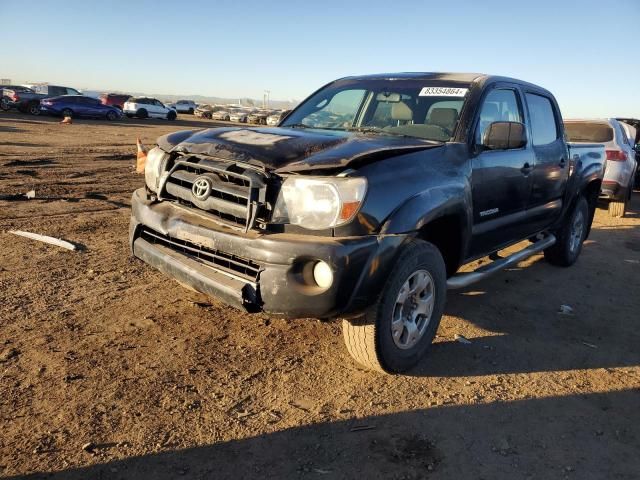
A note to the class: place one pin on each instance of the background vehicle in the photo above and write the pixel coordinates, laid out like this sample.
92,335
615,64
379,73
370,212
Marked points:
621,165
277,117
79,106
241,116
260,117
203,111
184,106
114,99
53,90
221,115
369,218
635,123
22,98
145,107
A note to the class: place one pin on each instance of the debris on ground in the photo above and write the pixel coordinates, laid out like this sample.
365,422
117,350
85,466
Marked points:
89,447
461,339
8,354
565,310
30,194
360,428
141,156
46,239
590,345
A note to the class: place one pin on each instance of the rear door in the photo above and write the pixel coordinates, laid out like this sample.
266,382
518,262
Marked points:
500,179
549,177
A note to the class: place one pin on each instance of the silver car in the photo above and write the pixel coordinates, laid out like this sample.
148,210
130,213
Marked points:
621,165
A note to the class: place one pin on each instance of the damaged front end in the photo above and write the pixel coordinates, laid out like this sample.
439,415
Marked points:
236,229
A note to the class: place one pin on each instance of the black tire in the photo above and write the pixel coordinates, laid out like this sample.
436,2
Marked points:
34,109
67,112
190,112
4,104
369,338
172,115
142,113
570,236
111,116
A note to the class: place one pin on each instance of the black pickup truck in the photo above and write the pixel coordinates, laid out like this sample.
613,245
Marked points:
365,201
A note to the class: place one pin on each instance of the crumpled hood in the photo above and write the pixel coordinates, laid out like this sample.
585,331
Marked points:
287,149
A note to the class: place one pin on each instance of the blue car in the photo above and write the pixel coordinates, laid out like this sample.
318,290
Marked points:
79,106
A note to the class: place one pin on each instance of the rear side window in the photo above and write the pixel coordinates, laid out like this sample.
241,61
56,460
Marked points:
544,128
589,132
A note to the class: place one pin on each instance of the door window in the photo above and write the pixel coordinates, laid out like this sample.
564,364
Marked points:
544,128
500,105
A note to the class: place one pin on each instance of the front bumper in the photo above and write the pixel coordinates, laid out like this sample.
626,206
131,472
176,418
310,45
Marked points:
360,265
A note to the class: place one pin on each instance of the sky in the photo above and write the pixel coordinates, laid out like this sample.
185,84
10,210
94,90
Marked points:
585,52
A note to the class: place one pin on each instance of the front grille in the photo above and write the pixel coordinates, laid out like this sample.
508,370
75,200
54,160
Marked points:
237,195
222,261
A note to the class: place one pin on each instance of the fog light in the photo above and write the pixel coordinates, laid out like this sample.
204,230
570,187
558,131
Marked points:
322,275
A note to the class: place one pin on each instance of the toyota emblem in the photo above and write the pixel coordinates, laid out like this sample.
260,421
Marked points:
201,188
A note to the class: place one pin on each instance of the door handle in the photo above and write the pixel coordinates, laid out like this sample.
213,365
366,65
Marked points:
526,168
562,163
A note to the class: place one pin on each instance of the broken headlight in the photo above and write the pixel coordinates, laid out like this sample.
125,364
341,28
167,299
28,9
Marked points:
317,203
154,167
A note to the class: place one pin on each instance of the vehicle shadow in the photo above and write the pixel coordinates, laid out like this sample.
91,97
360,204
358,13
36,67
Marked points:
514,320
587,436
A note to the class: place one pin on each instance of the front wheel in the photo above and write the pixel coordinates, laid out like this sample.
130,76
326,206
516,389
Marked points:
111,116
171,115
570,236
396,332
67,112
4,104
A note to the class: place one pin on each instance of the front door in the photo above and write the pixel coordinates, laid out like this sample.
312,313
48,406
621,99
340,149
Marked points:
501,181
549,177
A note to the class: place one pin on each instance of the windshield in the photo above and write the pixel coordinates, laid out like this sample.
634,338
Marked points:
415,108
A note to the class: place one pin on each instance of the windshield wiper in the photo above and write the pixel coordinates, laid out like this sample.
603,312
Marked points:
378,131
297,125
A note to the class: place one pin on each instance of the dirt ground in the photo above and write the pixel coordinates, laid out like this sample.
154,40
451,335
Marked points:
97,348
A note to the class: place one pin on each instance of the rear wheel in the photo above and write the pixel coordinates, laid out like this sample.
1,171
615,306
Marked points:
570,236
111,116
396,332
171,115
67,112
34,108
142,113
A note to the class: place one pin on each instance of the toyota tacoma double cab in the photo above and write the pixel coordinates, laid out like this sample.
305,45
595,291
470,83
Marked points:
366,200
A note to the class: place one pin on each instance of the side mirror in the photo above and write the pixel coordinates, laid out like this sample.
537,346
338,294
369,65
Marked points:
504,136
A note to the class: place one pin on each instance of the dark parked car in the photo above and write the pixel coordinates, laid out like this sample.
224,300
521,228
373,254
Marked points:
23,98
114,99
79,106
366,200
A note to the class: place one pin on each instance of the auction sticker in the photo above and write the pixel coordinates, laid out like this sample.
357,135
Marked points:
443,92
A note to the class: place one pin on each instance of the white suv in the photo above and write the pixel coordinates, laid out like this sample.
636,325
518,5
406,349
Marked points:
143,107
184,106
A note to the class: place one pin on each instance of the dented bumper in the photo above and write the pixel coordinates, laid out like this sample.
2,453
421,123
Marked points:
260,271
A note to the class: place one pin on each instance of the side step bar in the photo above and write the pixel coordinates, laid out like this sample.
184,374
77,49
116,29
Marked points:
462,280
